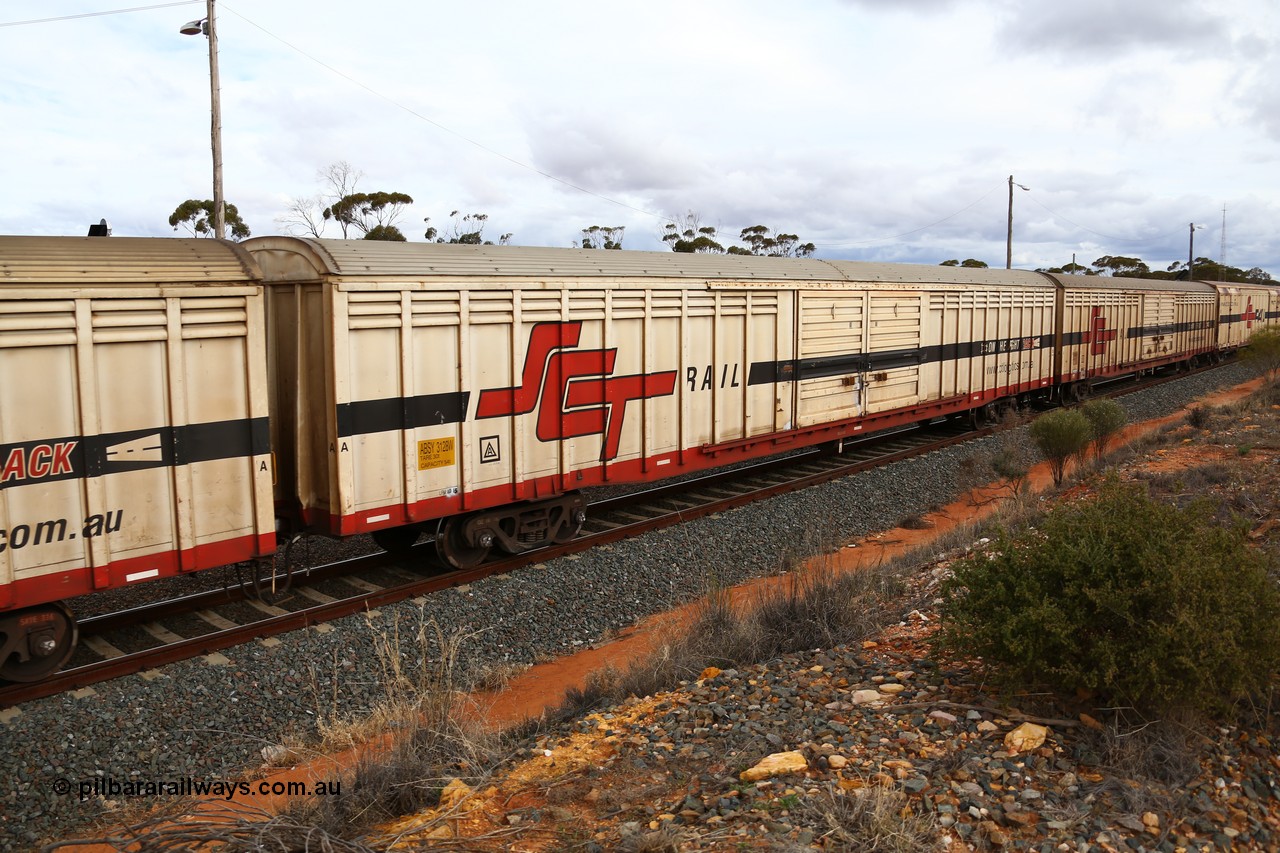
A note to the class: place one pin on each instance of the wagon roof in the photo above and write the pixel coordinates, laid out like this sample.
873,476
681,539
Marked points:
1107,282
123,260
1270,287
372,258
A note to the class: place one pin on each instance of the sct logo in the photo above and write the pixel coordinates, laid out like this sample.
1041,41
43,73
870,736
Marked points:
1098,335
573,390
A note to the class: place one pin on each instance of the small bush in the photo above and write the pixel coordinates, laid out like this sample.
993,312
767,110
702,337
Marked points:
1010,463
1263,354
1191,481
1060,435
1200,417
1106,418
1122,595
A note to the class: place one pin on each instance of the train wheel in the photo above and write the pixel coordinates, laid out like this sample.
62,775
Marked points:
569,530
47,646
396,540
453,548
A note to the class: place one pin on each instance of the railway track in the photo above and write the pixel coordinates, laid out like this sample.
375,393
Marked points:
218,617
203,623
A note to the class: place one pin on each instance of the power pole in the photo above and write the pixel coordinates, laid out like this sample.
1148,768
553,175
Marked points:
208,27
1008,250
215,90
1008,253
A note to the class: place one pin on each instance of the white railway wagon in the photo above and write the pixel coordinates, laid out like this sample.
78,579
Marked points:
469,391
1244,309
133,425
1118,326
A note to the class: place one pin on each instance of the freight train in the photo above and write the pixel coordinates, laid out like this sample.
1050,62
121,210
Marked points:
173,405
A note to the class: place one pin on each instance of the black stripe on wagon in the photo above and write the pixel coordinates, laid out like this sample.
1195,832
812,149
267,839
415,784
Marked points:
76,457
768,372
397,413
1168,328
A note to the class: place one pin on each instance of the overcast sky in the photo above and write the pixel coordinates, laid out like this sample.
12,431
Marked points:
877,129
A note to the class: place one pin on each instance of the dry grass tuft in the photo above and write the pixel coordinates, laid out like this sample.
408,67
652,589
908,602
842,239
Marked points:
434,735
814,607
231,831
874,819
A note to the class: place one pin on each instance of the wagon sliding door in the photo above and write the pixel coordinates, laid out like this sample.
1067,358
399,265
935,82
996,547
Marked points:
830,358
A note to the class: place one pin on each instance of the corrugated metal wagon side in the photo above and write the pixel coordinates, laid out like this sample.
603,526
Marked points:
469,391
1244,309
1119,326
421,383
894,344
133,423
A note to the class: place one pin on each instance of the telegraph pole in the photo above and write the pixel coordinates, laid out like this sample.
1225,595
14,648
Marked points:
215,131
209,28
1008,254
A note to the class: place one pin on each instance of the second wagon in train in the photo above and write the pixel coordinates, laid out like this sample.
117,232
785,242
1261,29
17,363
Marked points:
469,392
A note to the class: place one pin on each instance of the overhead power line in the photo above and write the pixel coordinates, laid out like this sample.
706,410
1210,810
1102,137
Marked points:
844,244
96,14
1057,215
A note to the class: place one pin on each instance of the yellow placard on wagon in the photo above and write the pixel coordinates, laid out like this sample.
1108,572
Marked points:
435,453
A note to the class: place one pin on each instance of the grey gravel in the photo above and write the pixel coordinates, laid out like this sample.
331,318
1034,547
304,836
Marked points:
209,722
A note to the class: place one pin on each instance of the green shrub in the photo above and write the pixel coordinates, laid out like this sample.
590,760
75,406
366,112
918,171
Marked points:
1106,418
1011,462
1136,600
1263,354
1060,434
1200,417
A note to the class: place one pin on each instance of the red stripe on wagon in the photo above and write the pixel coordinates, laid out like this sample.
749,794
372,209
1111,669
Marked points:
57,586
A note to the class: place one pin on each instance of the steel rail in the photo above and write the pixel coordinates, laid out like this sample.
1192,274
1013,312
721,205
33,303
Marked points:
218,639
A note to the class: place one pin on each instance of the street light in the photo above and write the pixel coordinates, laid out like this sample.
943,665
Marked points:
1008,253
1191,251
208,27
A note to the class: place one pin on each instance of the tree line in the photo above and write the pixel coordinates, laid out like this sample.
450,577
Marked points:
376,216
1203,269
